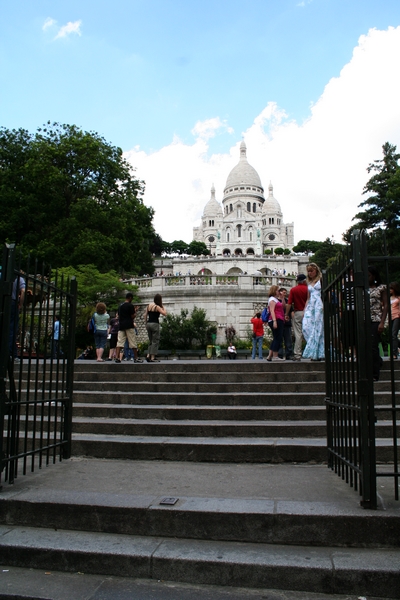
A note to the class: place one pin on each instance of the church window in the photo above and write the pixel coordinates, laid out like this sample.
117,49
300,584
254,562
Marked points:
278,221
271,220
239,231
236,188
230,208
248,207
242,188
211,223
254,189
248,188
254,207
250,236
227,236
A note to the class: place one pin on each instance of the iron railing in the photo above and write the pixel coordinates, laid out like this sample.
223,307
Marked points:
361,414
36,369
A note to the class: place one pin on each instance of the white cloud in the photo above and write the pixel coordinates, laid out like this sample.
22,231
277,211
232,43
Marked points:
318,168
69,28
49,22
208,129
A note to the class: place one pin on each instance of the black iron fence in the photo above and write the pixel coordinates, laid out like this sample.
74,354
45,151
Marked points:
362,393
37,352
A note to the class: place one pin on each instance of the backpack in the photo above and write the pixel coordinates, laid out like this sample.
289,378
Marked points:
265,315
91,326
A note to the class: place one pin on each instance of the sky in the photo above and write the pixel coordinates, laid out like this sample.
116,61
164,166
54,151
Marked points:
311,86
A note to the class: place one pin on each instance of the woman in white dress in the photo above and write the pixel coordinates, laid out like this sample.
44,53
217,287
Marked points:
313,320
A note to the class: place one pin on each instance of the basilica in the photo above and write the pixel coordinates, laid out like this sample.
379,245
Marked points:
247,223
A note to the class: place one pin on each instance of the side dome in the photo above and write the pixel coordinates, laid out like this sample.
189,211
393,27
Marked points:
271,205
243,173
213,207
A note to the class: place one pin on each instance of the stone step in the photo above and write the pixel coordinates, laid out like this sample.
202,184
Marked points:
200,449
201,399
206,412
199,428
261,377
211,449
320,569
198,387
252,520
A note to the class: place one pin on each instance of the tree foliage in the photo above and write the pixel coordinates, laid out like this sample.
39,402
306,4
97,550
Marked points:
307,246
185,332
326,252
70,198
94,287
381,209
196,248
179,247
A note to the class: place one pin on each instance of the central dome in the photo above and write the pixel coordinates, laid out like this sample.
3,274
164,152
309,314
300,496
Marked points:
243,173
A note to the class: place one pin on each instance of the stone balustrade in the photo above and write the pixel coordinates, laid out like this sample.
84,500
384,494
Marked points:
245,282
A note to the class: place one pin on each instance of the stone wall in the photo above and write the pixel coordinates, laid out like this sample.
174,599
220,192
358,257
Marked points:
227,300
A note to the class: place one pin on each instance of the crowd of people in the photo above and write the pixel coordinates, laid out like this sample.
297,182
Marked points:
295,320
121,331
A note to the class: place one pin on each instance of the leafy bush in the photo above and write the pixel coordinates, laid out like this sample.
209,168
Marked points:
186,332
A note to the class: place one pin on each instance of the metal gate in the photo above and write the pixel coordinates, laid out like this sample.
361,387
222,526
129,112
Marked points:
362,414
36,365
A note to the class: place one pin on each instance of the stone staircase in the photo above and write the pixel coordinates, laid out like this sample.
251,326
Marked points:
226,484
243,411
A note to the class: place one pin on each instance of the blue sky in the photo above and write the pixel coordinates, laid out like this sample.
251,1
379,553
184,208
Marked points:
176,84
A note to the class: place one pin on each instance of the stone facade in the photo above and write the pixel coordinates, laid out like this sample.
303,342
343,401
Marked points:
227,299
246,224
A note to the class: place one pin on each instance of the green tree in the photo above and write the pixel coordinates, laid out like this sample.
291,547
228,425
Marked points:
94,287
382,206
307,246
196,248
70,197
179,246
166,247
278,251
326,251
185,332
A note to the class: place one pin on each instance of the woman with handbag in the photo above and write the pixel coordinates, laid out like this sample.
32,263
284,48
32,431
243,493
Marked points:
151,318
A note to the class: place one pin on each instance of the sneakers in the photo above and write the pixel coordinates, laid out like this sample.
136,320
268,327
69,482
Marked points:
117,360
137,360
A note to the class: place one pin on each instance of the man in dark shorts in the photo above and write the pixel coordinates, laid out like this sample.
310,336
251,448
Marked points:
126,331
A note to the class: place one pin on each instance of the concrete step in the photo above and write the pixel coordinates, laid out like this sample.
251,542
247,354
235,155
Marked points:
171,376
210,412
211,449
201,399
199,428
252,520
200,449
323,569
189,387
